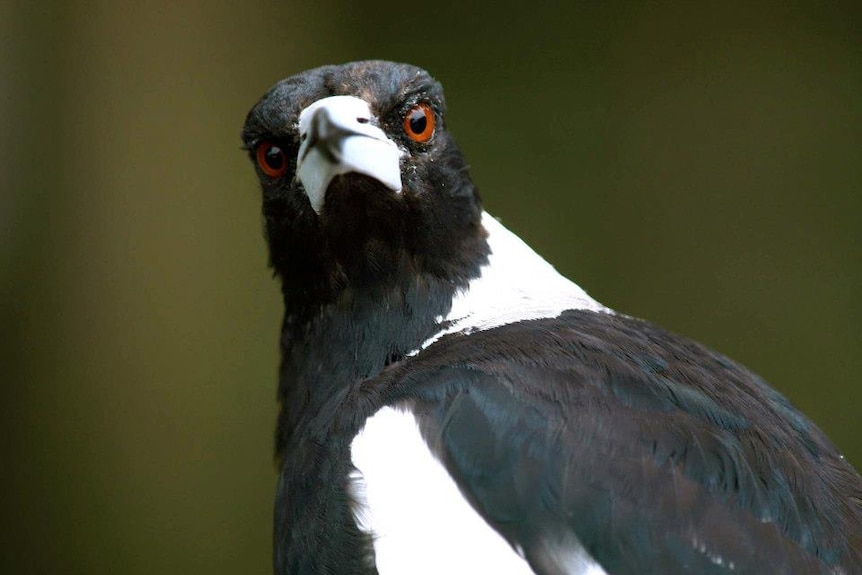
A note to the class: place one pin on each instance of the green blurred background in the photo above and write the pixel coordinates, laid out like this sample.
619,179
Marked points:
699,166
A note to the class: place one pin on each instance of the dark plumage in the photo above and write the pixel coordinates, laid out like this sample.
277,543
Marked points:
586,439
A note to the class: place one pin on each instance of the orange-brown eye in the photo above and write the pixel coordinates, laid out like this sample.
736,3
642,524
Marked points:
419,123
271,160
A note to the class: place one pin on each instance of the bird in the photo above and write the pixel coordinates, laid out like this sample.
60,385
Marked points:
450,403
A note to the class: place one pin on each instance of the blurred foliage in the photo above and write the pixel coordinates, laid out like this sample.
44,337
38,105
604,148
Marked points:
698,166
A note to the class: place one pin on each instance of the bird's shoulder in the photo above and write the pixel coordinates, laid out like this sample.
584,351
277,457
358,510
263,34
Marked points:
643,444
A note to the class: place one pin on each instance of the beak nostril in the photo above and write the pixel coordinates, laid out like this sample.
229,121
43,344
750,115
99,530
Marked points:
362,120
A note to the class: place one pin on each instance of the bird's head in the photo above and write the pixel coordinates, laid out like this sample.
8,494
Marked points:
362,183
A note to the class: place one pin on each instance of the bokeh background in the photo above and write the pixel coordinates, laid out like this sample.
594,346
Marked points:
697,165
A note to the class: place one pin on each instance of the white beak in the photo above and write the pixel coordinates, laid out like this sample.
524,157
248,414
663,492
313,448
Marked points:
338,136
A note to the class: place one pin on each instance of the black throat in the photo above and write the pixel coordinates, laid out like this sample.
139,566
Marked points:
350,340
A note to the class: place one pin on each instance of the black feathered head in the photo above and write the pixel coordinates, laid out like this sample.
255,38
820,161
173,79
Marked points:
362,183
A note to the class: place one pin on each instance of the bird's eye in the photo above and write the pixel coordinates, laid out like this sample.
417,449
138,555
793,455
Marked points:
419,123
271,160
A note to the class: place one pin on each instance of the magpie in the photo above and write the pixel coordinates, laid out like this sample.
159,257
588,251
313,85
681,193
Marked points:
449,403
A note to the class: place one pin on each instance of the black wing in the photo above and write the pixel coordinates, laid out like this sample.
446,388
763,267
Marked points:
660,455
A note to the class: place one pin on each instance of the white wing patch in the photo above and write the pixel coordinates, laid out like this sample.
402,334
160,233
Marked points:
420,521
516,284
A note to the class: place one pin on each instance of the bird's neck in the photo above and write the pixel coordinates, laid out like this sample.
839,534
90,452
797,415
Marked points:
354,337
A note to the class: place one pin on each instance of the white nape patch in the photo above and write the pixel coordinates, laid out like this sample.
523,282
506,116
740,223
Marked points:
362,147
516,284
418,517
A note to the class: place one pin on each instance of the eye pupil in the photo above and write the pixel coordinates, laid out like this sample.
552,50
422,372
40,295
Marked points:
272,160
418,121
